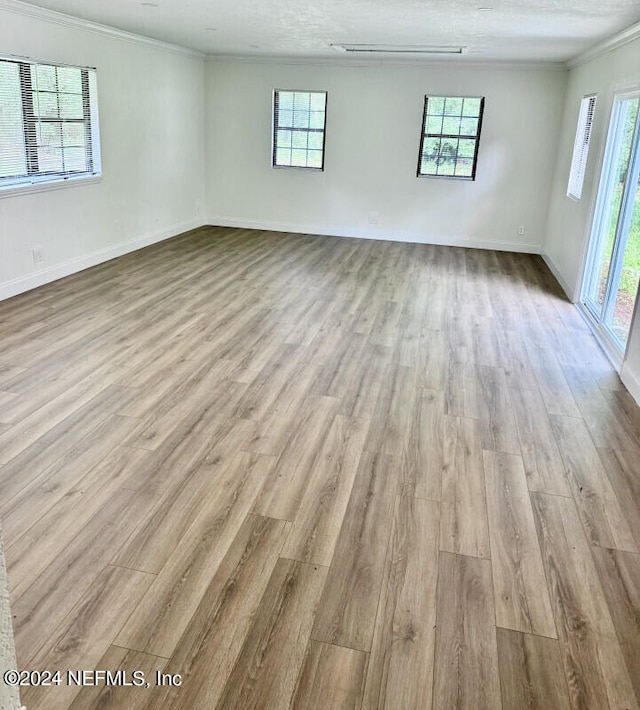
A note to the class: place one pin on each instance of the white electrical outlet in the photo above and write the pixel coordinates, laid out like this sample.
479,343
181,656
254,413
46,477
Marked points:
373,218
37,255
522,230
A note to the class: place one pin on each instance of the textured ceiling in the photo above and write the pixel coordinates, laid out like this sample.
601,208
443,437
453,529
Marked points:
514,30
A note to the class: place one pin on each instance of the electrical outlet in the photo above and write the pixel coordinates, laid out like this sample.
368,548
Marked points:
37,255
373,218
521,230
116,226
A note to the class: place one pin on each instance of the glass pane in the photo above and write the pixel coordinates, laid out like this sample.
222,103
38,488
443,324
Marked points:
285,118
612,202
75,159
464,167
43,77
435,105
284,139
45,105
318,102
299,158
434,124
283,156
13,160
69,80
453,106
316,119
469,126
626,294
49,134
301,119
285,100
71,106
73,134
466,148
50,159
447,167
302,101
440,156
299,139
428,166
448,151
314,159
471,107
451,126
316,140
430,150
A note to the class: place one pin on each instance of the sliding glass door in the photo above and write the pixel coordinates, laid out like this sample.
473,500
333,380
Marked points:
613,266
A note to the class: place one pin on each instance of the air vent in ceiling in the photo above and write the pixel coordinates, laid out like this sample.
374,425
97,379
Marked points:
415,49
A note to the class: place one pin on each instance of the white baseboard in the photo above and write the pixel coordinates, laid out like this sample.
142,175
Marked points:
72,266
631,381
378,234
570,292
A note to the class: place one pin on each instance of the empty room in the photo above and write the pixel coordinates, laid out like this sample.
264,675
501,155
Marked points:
319,355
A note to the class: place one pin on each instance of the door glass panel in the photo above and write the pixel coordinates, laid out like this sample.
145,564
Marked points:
613,266
611,203
629,275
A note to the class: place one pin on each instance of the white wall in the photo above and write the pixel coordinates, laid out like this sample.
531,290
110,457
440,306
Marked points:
151,105
568,228
373,130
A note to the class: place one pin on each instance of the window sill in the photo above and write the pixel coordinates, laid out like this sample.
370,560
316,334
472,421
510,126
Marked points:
446,177
297,167
45,186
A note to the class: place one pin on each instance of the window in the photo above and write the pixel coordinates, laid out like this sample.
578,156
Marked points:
450,136
581,147
48,122
298,129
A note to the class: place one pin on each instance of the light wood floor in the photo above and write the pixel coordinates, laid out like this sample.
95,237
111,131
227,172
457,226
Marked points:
325,473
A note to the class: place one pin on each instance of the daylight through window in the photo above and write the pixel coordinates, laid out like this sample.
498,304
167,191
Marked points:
48,122
450,135
298,129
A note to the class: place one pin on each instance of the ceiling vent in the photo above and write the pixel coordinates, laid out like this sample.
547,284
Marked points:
414,49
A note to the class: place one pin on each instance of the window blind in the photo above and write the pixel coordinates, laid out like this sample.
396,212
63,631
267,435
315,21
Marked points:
299,119
581,147
48,122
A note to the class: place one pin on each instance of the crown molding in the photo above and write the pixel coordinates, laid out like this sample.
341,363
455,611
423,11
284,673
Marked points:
59,18
25,9
619,39
386,62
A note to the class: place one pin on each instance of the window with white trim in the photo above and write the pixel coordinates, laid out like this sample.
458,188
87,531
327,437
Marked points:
48,122
299,120
581,147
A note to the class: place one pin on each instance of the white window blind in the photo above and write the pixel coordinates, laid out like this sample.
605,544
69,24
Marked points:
299,120
581,147
48,122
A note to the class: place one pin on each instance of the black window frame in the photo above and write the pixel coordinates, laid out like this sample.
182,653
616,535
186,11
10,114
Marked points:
424,135
276,126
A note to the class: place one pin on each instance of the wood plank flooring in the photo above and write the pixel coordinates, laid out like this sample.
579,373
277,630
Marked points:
307,472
